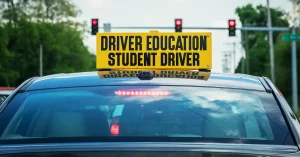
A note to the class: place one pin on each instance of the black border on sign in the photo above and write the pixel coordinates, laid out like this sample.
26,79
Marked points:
200,70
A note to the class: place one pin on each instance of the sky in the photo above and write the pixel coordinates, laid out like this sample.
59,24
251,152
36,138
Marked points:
202,13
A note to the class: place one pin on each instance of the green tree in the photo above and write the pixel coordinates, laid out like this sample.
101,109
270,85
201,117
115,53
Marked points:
258,47
256,43
7,74
28,23
294,15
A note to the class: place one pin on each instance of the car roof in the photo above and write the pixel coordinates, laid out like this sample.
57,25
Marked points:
239,81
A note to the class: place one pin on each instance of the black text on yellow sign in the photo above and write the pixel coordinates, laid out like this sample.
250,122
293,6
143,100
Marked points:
154,50
156,74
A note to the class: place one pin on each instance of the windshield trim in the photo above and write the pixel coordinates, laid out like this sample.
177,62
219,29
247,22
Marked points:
108,139
147,85
259,149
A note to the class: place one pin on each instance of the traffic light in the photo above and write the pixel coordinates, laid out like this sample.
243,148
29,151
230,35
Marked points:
231,27
95,26
178,25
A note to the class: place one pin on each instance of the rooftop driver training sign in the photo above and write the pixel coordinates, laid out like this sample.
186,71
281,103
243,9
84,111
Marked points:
154,50
156,74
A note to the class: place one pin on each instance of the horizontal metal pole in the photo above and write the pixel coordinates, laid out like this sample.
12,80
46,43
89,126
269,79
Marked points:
265,29
209,28
215,28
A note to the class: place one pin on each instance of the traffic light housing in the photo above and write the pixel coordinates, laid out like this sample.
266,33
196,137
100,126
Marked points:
178,25
95,26
231,27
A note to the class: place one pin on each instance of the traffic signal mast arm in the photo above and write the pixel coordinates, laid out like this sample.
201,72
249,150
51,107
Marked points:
204,28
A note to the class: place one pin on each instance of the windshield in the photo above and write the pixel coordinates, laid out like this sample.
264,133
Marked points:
144,113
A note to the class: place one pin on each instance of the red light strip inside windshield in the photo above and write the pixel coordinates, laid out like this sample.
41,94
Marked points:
141,93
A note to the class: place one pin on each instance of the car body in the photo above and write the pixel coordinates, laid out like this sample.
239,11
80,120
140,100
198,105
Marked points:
140,138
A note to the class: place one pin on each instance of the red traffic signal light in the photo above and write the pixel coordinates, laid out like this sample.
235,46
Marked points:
231,22
178,22
95,27
178,25
94,21
231,27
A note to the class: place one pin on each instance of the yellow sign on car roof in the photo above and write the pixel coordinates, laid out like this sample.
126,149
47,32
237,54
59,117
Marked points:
156,74
154,50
